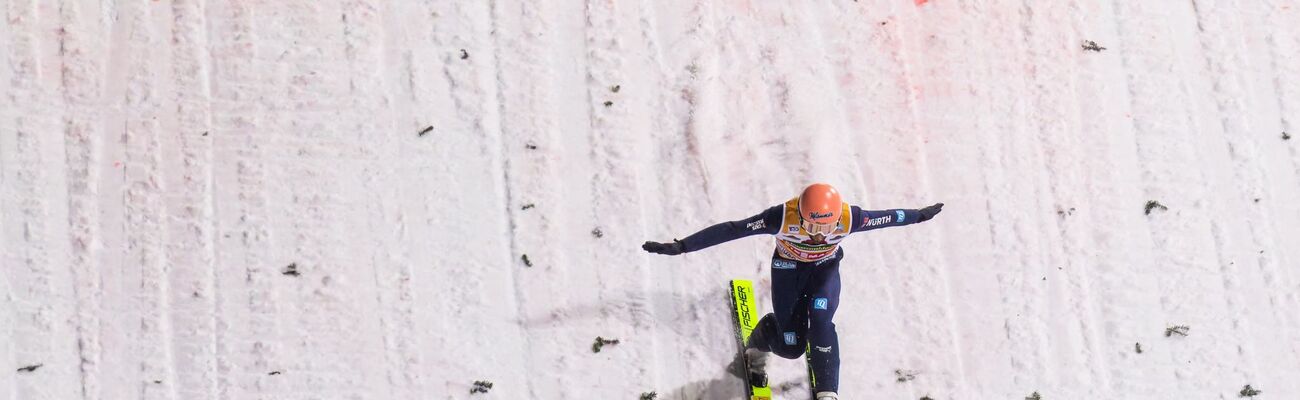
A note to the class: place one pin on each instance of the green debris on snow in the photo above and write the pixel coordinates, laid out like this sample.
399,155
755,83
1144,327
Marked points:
481,387
601,342
1248,392
1180,330
1089,45
1155,205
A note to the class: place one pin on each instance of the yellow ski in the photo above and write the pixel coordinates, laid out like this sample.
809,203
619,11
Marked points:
812,377
745,317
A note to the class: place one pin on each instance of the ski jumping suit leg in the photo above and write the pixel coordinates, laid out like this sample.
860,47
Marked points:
805,296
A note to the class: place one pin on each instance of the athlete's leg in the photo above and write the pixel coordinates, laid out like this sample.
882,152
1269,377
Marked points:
823,292
783,330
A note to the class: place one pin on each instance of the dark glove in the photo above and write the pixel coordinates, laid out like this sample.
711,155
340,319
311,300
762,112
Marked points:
930,212
668,249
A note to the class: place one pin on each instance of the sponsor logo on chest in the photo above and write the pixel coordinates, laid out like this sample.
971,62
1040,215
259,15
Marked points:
782,264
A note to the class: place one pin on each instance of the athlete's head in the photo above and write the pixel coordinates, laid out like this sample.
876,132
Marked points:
819,208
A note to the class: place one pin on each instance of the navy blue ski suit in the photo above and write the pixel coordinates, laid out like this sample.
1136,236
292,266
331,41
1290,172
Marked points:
805,294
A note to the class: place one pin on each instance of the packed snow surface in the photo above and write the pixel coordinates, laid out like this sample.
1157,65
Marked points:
364,199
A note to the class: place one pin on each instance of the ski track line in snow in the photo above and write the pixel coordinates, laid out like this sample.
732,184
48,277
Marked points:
28,341
145,215
653,304
368,57
33,214
474,88
713,69
297,146
832,73
687,308
192,259
83,180
117,283
9,308
645,121
1135,59
1244,362
1104,203
1283,38
935,88
367,37
1025,154
878,156
1066,157
389,67
1026,236
1139,291
930,52
441,90
528,119
1016,285
466,101
1221,61
1182,248
222,86
677,280
575,67
316,85
425,75
248,329
1288,90
690,308
614,140
1064,298
701,105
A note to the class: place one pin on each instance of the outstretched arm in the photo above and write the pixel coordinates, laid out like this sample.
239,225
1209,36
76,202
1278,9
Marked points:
766,222
865,220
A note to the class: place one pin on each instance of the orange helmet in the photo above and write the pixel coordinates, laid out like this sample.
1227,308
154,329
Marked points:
819,207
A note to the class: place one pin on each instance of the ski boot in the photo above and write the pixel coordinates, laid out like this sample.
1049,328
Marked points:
756,360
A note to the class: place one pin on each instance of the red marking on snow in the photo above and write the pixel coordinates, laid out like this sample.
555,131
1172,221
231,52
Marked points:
921,2
117,164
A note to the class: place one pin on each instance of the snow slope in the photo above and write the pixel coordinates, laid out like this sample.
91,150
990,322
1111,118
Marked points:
163,163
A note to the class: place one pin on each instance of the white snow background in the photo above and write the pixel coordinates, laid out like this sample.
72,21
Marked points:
163,163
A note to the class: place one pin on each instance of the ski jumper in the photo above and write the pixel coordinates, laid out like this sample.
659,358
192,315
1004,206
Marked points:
805,280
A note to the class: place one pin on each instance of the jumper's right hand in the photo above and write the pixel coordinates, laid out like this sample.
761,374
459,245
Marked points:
668,249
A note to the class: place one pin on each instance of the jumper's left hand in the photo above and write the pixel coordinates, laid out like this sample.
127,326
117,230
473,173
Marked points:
930,212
